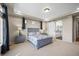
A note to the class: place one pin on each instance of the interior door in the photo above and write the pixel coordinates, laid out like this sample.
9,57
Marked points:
59,28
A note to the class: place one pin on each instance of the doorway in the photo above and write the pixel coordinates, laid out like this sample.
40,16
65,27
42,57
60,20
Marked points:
76,29
58,29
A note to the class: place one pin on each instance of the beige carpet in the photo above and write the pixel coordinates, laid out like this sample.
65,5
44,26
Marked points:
57,48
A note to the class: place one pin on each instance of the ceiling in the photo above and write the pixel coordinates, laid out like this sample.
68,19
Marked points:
37,9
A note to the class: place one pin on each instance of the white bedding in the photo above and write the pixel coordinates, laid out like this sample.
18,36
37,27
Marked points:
33,40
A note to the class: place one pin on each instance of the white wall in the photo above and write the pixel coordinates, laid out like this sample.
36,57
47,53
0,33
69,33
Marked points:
67,29
51,28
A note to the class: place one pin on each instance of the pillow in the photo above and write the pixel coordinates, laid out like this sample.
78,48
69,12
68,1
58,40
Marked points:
23,32
37,33
32,33
44,33
41,31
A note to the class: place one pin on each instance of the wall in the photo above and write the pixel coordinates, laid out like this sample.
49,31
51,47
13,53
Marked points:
33,24
67,29
14,22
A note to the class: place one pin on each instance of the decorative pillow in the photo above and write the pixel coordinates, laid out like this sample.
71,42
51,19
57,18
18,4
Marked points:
41,31
23,32
37,33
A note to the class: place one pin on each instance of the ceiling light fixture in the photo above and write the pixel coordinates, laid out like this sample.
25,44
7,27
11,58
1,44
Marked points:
46,9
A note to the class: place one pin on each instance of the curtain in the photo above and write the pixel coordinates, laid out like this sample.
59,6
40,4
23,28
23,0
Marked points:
5,45
23,23
41,25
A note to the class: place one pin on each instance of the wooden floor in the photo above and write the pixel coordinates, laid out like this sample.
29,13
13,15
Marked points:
57,48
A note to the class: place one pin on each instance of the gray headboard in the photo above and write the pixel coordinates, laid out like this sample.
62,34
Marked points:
33,30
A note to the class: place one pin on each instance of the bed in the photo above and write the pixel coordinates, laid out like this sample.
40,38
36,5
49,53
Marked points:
38,40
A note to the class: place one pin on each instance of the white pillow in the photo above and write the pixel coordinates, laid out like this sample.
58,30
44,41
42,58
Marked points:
41,31
32,33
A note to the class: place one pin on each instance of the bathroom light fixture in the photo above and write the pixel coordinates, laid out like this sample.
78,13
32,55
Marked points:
46,9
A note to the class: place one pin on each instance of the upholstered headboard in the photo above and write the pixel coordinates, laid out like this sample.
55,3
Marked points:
33,30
